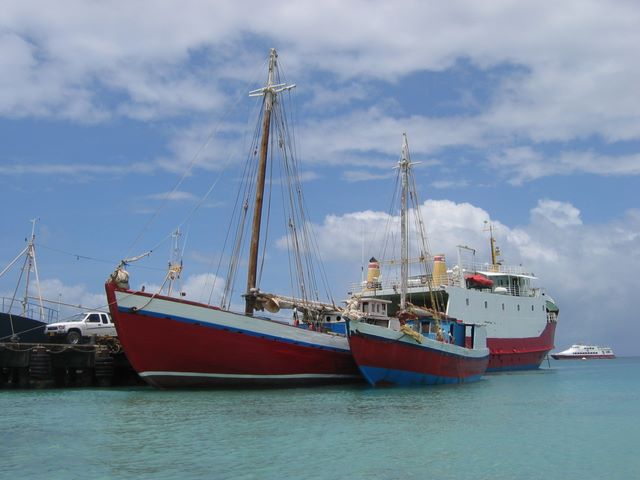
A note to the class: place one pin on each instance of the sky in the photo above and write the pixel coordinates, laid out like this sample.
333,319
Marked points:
120,121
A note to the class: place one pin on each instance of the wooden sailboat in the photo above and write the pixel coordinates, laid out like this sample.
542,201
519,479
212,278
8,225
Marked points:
173,342
417,346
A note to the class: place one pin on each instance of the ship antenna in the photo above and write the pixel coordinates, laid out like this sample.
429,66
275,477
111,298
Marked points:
495,250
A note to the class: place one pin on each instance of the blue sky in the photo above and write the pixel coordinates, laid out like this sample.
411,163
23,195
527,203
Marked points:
525,114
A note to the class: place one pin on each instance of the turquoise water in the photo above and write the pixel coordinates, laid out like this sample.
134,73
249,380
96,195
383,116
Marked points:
574,420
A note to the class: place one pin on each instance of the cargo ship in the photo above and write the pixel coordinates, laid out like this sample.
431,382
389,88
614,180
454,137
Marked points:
520,318
580,351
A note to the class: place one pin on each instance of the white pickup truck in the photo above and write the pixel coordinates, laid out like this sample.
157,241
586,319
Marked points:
82,325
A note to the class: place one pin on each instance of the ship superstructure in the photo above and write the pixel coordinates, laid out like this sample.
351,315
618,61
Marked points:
519,316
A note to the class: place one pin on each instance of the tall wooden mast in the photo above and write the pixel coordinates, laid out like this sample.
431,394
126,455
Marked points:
404,166
269,93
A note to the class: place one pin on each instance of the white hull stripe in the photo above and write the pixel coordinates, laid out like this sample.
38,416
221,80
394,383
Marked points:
240,375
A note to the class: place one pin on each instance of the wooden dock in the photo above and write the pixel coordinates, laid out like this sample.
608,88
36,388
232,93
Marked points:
47,365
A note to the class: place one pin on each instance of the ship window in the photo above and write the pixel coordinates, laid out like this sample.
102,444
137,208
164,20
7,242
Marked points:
518,307
467,302
503,306
532,308
485,304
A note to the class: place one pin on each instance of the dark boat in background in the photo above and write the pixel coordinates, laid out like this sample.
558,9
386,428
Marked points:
23,319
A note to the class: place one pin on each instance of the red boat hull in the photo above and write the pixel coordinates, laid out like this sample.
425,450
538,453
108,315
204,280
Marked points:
388,362
170,352
520,353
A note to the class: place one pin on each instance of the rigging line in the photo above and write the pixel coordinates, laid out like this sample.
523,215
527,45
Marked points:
243,195
288,239
240,245
303,254
85,257
304,276
390,217
15,292
186,173
226,166
239,200
294,273
309,256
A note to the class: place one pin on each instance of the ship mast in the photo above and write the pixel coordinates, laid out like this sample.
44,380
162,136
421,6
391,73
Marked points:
268,92
495,251
404,166
175,261
29,264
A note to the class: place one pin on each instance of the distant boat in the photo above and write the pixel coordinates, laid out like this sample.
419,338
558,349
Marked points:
417,346
23,319
580,351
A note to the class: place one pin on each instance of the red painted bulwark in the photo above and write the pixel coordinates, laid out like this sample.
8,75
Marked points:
223,357
520,353
372,352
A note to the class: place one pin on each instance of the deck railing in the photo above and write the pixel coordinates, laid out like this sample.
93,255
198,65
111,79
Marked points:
452,278
32,310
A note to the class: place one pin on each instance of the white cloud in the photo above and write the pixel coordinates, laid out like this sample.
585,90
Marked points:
202,287
175,195
459,183
364,176
561,214
579,58
525,163
67,299
73,170
568,72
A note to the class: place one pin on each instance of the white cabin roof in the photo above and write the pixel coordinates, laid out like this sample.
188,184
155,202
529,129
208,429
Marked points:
503,274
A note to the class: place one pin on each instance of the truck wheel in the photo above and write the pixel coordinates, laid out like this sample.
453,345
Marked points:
73,337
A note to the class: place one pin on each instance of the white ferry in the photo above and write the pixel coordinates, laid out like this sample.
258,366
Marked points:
583,352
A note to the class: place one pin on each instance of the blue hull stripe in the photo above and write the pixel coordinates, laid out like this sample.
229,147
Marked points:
233,329
382,376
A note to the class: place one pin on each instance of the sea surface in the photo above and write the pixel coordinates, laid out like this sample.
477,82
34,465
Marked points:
568,420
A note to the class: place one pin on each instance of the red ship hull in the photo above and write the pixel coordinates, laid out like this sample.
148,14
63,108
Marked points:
169,351
396,363
520,353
